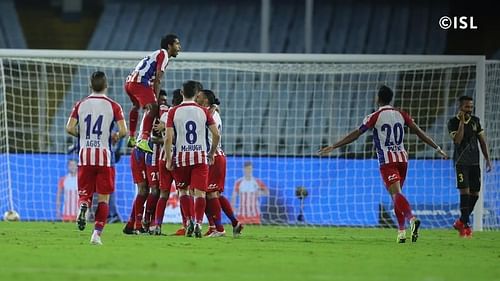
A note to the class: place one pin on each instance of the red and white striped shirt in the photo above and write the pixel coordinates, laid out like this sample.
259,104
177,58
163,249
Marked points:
249,192
388,133
190,122
68,185
145,71
96,116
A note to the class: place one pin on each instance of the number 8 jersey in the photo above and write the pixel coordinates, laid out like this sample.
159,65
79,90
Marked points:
388,133
190,123
96,115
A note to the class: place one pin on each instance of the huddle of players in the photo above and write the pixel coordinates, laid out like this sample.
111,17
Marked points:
155,181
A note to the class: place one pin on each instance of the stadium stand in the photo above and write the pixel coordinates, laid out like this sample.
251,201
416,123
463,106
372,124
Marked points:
11,34
339,26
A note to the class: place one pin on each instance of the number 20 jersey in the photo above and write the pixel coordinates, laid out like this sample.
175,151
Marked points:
388,133
96,117
190,123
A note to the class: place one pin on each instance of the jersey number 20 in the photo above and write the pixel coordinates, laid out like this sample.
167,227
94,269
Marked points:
398,133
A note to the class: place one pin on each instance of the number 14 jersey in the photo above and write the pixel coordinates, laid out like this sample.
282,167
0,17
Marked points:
96,115
388,133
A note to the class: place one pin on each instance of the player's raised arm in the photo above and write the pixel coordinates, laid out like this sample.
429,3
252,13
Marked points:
352,136
425,138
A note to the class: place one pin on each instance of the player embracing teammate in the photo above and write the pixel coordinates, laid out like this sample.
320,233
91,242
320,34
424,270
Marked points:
217,176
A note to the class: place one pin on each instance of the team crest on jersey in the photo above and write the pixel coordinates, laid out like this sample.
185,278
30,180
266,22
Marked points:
474,128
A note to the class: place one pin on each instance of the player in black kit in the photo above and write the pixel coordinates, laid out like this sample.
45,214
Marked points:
465,130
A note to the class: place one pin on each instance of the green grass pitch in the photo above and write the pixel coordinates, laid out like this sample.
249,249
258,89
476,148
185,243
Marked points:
58,251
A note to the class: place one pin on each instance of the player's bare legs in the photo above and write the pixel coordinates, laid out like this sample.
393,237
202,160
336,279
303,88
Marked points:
133,117
101,216
147,126
403,212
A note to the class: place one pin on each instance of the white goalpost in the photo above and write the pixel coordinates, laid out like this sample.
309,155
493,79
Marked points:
277,111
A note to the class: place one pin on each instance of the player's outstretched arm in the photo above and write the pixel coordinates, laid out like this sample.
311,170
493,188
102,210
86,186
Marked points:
352,136
425,138
485,150
71,127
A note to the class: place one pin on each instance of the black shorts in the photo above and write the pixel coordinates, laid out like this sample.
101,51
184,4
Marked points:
468,177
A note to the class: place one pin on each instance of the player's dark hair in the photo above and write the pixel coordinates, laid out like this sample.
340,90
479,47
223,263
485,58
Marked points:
464,98
162,93
176,97
385,94
98,81
168,39
247,164
190,88
211,97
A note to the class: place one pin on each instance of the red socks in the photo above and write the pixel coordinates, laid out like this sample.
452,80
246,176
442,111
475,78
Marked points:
151,206
199,208
101,216
133,116
139,209
214,213
402,209
160,211
228,210
131,219
185,201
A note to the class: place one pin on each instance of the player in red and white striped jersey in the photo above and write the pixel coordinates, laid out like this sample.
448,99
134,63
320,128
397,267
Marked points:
143,86
192,152
144,167
91,121
217,177
153,164
249,189
67,187
166,177
388,136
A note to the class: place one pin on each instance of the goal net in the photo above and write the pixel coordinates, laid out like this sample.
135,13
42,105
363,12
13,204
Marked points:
277,111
